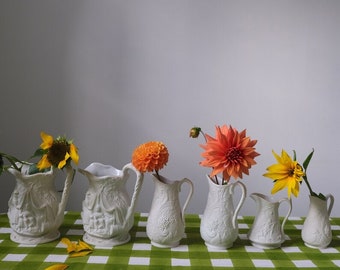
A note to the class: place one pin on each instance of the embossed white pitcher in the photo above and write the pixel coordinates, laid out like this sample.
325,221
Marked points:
166,225
108,212
219,226
35,210
266,231
316,231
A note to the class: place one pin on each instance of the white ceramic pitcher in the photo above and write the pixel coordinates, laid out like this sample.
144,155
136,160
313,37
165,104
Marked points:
35,210
267,232
219,226
316,231
166,224
108,212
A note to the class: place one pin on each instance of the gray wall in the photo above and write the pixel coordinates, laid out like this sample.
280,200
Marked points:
114,74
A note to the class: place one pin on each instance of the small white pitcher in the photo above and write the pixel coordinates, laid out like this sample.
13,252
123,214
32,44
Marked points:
317,231
166,224
266,231
108,212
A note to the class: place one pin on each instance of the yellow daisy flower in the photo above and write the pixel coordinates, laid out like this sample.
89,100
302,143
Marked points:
286,173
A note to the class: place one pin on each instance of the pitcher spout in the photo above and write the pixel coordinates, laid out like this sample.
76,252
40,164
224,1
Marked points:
256,196
266,231
100,171
261,197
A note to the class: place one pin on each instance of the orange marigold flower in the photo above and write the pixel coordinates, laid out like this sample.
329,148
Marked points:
231,153
150,156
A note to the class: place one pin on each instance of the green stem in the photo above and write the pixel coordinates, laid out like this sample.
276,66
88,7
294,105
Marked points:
12,160
309,187
205,138
157,174
216,180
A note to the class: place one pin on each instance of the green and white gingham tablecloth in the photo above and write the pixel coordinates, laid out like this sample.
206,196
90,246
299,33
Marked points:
190,254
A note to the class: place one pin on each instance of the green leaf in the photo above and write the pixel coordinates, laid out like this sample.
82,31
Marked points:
294,157
13,163
33,169
307,160
322,197
39,152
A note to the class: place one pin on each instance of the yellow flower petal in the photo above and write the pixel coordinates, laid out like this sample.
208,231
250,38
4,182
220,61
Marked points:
279,185
287,173
70,246
74,153
47,140
294,187
43,163
63,162
65,241
80,254
82,246
58,266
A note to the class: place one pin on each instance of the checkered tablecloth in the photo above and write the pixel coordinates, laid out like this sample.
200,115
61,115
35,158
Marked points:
191,254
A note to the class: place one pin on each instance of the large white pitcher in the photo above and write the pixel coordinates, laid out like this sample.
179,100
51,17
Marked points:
35,210
266,231
108,212
219,226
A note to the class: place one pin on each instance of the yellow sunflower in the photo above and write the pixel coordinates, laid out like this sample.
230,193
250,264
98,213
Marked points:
286,173
57,152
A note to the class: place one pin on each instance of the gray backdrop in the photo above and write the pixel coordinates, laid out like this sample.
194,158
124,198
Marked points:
114,74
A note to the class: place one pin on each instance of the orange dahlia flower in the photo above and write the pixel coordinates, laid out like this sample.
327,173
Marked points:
231,153
150,156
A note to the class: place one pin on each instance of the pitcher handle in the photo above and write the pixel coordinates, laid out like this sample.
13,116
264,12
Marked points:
331,203
70,172
191,190
138,186
240,203
288,213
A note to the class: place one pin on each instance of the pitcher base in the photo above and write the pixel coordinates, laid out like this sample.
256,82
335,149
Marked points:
106,242
34,240
171,245
266,245
215,247
316,247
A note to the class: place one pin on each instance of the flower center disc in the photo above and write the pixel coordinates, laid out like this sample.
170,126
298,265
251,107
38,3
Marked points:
234,154
57,152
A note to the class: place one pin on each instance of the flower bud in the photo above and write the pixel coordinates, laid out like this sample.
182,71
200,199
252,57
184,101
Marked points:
194,132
